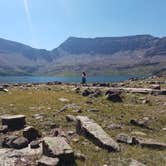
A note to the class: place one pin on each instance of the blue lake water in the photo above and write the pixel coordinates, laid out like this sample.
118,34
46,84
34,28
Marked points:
68,79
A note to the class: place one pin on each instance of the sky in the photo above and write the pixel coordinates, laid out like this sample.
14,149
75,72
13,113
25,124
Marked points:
47,23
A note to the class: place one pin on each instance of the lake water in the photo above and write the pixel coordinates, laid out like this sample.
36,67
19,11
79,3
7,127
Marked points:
42,79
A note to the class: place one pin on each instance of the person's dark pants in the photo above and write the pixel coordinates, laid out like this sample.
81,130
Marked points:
83,80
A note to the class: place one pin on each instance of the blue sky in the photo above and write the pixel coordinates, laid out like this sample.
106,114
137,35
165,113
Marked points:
47,23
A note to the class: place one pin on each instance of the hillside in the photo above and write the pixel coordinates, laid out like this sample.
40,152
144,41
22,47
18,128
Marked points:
140,54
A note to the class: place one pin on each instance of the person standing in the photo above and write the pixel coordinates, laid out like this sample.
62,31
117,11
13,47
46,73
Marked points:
83,78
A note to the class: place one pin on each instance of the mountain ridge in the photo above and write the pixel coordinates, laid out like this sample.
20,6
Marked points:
100,55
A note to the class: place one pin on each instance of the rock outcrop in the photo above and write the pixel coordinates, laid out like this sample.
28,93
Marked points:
95,133
57,147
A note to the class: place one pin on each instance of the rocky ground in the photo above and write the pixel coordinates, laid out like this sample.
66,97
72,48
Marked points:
118,124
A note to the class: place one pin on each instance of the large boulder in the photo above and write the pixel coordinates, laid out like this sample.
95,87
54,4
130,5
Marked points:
94,132
14,122
57,147
31,133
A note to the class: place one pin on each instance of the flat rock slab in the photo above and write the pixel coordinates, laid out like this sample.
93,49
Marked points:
91,130
57,147
141,90
14,122
150,143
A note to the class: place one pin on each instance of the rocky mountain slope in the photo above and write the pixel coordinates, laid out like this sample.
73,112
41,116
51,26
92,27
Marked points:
140,54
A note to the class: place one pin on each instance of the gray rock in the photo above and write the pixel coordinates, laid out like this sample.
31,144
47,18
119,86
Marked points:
94,132
14,122
47,161
80,156
35,144
19,143
7,142
31,133
150,143
114,126
58,147
124,138
13,157
114,97
3,89
136,163
70,118
87,92
141,123
57,132
156,86
4,129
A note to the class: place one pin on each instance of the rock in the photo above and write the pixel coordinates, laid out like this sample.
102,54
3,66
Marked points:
115,97
138,133
150,143
124,138
93,110
145,101
141,123
35,144
63,100
164,129
57,132
7,142
3,89
19,143
104,84
77,89
94,132
77,111
156,86
53,125
14,122
58,147
21,157
80,156
70,118
39,116
114,126
89,102
87,92
4,129
31,133
136,163
47,161
71,133
96,93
